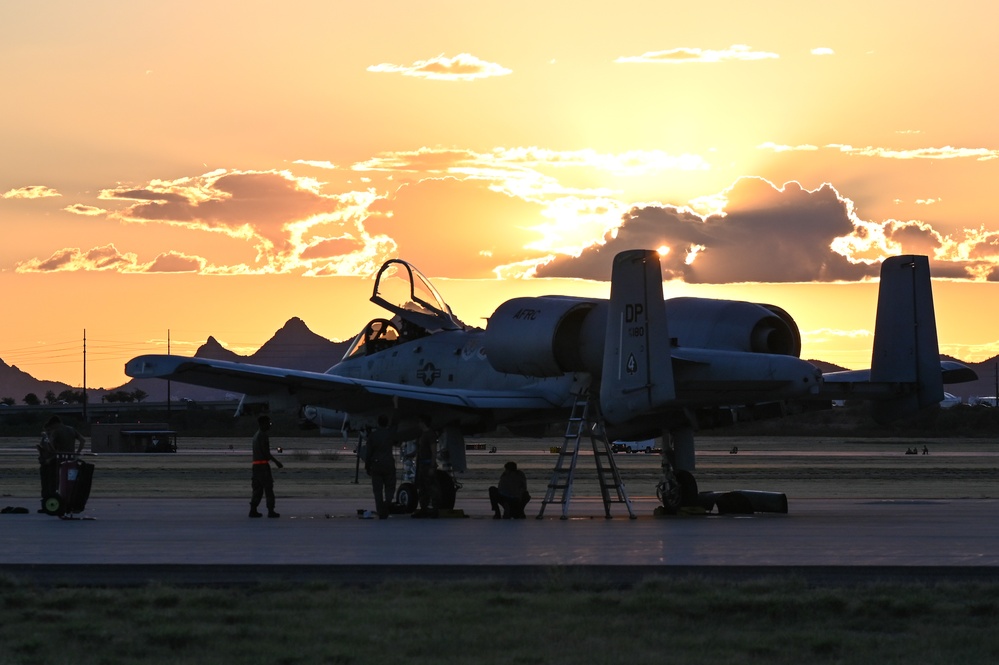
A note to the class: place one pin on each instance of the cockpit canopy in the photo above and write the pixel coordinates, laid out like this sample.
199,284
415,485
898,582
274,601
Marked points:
403,290
418,310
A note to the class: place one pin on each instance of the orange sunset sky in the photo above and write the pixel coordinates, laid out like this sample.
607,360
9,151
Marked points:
216,168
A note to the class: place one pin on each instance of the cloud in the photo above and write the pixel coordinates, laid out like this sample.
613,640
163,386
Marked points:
737,52
775,147
31,192
759,232
766,234
176,262
822,50
317,163
103,258
507,213
108,258
946,152
85,210
274,211
462,67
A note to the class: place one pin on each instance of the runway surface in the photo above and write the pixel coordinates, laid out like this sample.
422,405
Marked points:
212,541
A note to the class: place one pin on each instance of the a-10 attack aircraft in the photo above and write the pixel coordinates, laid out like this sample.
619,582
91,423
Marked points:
649,365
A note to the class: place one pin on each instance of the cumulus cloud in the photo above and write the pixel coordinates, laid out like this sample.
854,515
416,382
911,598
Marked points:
736,52
31,192
822,50
766,234
462,67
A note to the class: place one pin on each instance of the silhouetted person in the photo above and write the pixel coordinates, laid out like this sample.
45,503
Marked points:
426,471
62,436
380,465
57,439
262,481
510,493
926,451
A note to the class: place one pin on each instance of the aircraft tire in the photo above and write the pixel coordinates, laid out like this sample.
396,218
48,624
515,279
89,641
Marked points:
407,498
688,488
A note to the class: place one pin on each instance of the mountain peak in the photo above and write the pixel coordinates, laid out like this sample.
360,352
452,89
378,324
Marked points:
295,324
212,350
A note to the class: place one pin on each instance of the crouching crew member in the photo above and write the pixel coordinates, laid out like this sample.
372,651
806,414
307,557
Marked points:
510,494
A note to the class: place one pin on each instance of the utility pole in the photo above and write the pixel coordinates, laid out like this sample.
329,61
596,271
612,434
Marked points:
168,380
85,375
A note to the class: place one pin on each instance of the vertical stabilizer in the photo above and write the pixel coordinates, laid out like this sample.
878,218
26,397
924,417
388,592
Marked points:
637,374
905,337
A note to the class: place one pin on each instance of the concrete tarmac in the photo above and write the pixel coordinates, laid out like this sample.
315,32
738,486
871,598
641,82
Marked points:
123,541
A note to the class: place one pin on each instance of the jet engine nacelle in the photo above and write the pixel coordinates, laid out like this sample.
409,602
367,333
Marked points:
547,336
551,335
732,325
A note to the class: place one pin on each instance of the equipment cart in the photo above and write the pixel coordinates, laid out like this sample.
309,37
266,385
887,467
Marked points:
72,487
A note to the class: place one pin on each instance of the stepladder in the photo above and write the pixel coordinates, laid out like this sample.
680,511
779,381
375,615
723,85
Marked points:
585,420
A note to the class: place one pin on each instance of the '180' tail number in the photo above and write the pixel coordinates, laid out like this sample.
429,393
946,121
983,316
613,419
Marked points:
633,312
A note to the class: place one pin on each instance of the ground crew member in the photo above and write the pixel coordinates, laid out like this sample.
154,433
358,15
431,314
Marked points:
510,494
426,471
380,465
262,481
57,439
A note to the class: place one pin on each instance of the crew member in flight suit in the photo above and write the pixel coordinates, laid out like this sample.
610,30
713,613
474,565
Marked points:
262,481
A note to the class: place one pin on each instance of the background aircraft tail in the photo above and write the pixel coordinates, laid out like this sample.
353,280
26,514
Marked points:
905,337
637,375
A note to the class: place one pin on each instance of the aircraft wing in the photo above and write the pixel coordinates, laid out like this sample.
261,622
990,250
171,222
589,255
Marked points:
316,388
951,372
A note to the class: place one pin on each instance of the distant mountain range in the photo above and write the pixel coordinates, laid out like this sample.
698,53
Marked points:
296,347
293,346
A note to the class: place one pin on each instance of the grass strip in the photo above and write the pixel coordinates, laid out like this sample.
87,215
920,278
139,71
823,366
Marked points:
558,619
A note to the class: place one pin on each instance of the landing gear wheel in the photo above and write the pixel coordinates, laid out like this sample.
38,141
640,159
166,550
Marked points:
53,505
407,497
677,490
668,492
